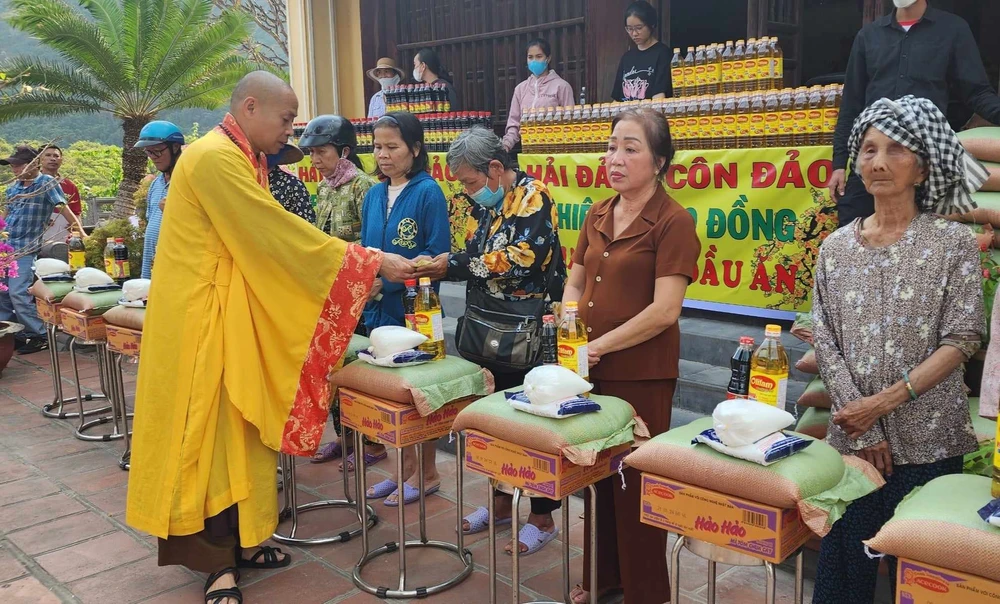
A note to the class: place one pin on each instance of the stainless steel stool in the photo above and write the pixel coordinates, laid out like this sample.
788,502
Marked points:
103,372
55,409
292,508
515,525
400,546
717,554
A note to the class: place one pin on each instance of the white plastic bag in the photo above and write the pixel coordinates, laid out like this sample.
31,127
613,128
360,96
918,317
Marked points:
551,383
135,290
388,340
89,279
740,422
45,267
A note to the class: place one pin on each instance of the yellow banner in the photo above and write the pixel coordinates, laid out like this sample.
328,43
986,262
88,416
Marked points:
760,214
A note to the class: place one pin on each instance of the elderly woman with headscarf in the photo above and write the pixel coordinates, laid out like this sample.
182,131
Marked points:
897,310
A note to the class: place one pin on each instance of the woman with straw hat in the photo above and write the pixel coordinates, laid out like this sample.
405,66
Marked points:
386,74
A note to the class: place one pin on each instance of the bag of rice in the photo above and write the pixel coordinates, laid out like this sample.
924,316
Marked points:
50,291
766,451
816,395
92,303
427,387
818,480
391,339
550,383
802,328
578,438
740,422
808,364
939,524
125,316
814,422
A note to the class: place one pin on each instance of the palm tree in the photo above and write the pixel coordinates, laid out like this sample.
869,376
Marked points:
130,58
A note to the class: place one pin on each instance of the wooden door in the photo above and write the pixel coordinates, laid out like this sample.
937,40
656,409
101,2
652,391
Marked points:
781,18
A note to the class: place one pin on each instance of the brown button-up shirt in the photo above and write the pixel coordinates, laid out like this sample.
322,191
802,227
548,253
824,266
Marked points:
621,277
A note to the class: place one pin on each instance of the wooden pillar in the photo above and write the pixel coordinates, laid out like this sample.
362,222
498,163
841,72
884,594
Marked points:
756,18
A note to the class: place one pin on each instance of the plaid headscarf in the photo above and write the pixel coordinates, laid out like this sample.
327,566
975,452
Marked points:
917,124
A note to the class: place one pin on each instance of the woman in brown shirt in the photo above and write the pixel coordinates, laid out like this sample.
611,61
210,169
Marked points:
636,255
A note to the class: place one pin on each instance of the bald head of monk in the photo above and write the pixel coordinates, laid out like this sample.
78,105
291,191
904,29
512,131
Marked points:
265,107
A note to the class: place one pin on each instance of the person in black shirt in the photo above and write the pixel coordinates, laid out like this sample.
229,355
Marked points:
427,69
916,50
644,71
286,188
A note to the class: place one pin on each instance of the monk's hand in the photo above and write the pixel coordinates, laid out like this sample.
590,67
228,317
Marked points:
879,455
376,290
397,269
435,268
857,417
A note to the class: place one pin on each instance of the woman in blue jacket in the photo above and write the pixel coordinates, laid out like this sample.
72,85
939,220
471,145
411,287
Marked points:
405,214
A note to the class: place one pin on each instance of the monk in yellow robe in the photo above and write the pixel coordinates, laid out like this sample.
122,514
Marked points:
250,310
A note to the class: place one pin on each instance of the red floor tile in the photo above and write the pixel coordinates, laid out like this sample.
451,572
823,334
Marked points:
193,593
27,591
132,583
93,556
28,488
60,533
77,464
57,448
30,513
111,501
107,477
309,583
10,568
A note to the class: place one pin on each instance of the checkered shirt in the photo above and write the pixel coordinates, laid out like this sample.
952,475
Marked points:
28,217
917,124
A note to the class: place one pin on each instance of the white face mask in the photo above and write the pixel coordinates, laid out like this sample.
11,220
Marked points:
417,74
386,82
904,3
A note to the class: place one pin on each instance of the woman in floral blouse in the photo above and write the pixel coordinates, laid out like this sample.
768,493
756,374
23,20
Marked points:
897,310
512,237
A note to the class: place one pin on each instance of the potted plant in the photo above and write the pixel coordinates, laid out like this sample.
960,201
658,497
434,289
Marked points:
8,268
7,331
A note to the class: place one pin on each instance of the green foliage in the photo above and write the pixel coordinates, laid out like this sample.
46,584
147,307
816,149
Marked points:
116,228
96,169
139,197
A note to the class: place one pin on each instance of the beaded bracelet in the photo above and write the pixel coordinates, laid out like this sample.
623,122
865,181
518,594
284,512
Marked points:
909,387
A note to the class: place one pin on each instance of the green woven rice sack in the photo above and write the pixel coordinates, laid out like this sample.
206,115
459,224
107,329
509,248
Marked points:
92,304
358,342
815,395
939,524
53,291
427,387
814,422
818,480
803,327
980,461
579,438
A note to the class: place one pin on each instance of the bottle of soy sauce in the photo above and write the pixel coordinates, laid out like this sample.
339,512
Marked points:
739,382
550,346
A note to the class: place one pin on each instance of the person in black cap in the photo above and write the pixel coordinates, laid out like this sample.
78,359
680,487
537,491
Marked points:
286,187
31,200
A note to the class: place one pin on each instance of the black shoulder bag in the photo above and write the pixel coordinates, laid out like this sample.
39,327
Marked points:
504,335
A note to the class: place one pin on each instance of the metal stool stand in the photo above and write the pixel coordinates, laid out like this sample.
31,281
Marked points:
400,546
292,508
116,381
515,575
103,371
55,408
717,554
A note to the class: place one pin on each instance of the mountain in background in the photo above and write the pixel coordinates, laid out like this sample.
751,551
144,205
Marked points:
101,127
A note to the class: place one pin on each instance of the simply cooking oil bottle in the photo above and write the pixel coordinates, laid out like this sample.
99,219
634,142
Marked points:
769,370
427,314
572,340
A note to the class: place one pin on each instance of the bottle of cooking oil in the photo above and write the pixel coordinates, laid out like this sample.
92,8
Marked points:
778,63
815,115
727,67
694,132
786,125
739,66
831,112
743,131
77,252
109,257
763,75
428,318
690,85
800,109
705,121
729,140
573,342
757,119
772,119
677,73
769,370
750,65
713,69
718,114
700,70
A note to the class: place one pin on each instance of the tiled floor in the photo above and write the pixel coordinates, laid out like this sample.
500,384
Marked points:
63,536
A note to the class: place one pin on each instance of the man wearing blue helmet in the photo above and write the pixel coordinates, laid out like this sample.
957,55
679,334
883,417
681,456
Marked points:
162,142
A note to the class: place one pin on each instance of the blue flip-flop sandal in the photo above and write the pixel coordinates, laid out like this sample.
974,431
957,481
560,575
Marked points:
534,538
410,494
479,521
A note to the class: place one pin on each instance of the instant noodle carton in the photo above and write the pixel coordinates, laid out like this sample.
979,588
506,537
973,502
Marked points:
124,340
81,326
762,531
47,311
538,473
395,424
919,583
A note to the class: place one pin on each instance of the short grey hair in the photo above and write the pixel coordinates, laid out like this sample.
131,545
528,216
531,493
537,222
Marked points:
476,147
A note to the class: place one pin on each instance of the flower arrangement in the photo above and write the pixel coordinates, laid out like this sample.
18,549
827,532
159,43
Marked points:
8,256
